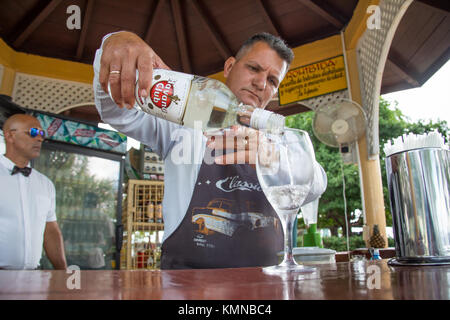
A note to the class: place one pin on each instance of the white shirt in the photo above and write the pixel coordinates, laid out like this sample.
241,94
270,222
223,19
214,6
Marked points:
181,148
26,205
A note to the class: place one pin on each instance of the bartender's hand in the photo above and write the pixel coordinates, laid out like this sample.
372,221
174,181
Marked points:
123,53
243,140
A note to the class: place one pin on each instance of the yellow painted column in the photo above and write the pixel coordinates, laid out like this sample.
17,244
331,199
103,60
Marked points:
372,189
9,72
369,169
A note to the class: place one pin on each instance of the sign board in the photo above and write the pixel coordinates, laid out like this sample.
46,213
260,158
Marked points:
313,80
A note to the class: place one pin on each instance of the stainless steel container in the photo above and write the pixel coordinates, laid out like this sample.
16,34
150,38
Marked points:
419,189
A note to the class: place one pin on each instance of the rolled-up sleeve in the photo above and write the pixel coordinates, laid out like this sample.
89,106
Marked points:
319,185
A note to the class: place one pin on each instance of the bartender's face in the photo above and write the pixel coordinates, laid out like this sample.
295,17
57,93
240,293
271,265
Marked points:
255,77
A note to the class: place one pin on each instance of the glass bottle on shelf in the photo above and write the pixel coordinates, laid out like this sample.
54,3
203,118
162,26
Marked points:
158,213
151,212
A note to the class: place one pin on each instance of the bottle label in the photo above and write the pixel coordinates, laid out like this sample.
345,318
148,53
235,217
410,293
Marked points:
168,95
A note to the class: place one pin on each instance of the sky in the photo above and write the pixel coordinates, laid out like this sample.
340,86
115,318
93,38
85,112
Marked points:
431,101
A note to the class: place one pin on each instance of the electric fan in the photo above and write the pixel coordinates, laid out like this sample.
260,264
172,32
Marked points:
339,123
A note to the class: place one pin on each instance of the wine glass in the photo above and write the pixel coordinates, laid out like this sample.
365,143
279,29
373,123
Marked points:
284,166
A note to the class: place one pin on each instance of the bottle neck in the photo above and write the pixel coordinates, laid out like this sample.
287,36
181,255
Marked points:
263,119
312,228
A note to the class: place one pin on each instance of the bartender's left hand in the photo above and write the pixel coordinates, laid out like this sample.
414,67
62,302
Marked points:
243,140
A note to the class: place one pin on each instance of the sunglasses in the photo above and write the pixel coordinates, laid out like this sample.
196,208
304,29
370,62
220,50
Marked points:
34,132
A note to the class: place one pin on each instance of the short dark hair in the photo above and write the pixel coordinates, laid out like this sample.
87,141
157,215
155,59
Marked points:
276,43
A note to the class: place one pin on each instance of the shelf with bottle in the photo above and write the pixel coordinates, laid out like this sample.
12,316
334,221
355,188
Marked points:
152,177
141,250
145,225
148,256
152,213
142,220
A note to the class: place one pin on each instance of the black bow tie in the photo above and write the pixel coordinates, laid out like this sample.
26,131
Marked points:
25,171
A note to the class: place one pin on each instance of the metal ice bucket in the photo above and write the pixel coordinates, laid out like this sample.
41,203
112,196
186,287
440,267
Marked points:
419,188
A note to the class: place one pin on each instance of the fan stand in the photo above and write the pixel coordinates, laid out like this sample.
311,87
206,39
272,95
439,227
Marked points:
345,199
339,124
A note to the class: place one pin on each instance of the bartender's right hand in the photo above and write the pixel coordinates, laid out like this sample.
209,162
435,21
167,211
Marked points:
125,52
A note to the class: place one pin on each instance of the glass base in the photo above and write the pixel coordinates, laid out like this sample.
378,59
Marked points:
288,268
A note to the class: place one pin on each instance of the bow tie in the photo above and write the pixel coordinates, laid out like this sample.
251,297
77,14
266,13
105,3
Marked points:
25,171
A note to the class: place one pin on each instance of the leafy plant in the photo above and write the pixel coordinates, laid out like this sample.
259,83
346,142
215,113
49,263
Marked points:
340,243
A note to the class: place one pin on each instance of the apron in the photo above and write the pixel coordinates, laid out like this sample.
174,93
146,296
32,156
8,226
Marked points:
229,223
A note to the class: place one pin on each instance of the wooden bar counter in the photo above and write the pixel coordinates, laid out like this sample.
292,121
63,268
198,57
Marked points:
342,280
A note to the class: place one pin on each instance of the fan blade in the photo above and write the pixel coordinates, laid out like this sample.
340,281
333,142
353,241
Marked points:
339,123
322,122
345,110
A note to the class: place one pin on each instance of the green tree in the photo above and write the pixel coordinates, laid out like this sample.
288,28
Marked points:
331,205
75,185
392,124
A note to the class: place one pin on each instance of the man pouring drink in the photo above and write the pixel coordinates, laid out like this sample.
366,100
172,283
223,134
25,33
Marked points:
215,214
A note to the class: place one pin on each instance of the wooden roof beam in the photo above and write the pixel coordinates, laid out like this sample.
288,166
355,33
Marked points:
217,39
399,67
266,17
437,4
84,29
287,110
325,12
36,23
435,66
181,36
152,24
402,72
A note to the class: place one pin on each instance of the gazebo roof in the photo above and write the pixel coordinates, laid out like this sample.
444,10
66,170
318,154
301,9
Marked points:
197,36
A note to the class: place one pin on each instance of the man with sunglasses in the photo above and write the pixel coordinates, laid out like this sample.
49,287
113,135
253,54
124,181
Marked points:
27,200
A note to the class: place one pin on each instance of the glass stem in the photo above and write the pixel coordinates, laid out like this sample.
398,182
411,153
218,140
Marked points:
288,224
